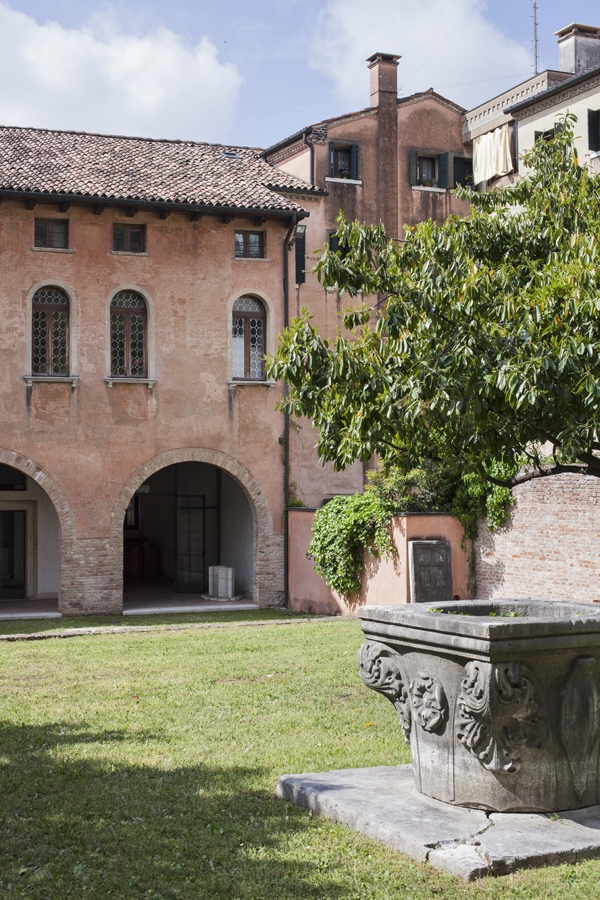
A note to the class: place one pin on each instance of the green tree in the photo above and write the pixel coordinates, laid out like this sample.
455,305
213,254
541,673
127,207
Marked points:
481,344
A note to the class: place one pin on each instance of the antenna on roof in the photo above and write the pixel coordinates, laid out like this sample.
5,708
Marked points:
535,42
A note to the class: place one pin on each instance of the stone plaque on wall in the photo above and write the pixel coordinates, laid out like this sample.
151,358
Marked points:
430,571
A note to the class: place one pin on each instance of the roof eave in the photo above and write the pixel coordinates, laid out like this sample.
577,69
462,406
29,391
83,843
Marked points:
576,79
123,203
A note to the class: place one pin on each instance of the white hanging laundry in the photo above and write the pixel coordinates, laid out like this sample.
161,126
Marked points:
491,155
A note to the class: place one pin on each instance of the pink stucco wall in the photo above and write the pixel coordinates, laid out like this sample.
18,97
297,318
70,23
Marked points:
385,581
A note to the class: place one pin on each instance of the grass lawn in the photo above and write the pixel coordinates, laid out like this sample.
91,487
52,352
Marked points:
143,765
30,626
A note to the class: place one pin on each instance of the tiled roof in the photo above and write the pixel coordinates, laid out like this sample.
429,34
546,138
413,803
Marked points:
106,167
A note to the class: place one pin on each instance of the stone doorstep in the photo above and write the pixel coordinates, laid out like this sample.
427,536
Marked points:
382,803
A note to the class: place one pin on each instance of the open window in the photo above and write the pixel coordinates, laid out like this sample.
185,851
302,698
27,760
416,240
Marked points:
344,160
428,168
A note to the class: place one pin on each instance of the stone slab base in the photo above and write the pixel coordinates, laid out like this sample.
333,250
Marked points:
382,803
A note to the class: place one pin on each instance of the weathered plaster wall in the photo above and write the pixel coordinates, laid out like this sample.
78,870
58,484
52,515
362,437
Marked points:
545,120
384,581
425,124
90,441
549,548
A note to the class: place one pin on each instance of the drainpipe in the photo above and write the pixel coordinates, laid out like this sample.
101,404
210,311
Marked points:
286,427
311,150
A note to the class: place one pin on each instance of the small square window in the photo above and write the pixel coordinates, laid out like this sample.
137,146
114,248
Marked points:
129,238
52,233
250,244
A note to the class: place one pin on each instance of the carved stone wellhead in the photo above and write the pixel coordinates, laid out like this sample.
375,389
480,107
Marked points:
499,700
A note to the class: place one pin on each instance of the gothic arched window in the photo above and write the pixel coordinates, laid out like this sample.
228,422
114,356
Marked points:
50,332
248,339
128,335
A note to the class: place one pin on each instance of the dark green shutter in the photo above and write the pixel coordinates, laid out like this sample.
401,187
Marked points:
514,135
330,168
459,171
300,258
558,127
354,162
414,162
594,130
537,135
443,166
333,242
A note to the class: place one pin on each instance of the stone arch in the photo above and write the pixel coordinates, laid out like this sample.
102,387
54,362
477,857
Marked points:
264,539
62,506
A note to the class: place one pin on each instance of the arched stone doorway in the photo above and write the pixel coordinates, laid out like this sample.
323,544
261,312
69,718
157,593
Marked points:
190,508
36,528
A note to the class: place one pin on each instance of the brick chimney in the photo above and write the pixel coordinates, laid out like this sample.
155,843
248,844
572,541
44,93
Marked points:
384,77
578,48
384,98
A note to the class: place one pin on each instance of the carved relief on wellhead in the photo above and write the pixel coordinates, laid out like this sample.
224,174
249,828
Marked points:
497,715
380,669
579,724
430,707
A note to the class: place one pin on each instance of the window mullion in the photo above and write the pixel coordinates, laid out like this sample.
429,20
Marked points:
49,342
127,339
247,346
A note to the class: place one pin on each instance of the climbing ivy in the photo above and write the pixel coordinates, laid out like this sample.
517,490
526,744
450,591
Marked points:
345,526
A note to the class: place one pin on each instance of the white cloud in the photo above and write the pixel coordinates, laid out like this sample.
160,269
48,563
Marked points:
100,78
348,31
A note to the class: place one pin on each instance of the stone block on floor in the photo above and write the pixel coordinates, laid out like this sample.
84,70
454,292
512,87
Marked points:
382,803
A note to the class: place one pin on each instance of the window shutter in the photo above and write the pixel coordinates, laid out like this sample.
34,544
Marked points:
459,171
558,127
331,159
537,135
443,166
414,161
300,242
514,143
354,162
594,130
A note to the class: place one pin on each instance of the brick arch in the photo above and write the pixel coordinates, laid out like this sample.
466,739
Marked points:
64,513
264,538
49,485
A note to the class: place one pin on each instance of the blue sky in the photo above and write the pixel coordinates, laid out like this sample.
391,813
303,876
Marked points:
252,73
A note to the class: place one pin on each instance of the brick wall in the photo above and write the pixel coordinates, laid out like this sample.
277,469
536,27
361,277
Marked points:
550,548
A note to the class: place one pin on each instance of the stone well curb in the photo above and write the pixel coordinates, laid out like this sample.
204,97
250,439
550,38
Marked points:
132,629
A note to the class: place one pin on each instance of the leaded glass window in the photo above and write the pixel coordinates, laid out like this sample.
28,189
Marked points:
50,332
128,335
248,339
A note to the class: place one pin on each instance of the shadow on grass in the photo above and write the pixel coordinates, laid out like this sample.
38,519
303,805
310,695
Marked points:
77,827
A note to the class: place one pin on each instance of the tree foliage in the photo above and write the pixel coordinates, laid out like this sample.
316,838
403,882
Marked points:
482,343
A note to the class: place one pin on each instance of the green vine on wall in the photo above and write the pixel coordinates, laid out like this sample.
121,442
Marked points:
346,526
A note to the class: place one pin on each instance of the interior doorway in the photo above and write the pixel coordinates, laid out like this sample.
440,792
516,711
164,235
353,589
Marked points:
12,554
182,520
29,543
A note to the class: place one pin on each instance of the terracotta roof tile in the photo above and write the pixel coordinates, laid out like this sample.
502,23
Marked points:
106,167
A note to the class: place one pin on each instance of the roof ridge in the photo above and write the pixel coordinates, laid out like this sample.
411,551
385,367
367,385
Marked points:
127,137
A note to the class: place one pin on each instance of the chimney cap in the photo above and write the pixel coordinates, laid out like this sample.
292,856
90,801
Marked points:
590,31
390,58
